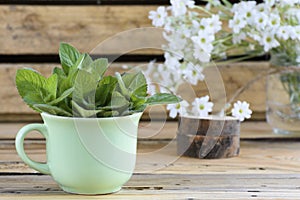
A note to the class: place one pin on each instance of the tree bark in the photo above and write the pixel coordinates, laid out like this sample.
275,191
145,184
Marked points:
213,137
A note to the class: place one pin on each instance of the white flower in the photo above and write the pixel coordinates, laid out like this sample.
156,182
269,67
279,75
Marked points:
159,16
241,110
202,106
193,73
269,3
274,20
177,40
204,40
260,20
298,59
179,7
269,41
237,23
284,32
171,61
295,33
211,25
243,6
213,3
201,55
180,108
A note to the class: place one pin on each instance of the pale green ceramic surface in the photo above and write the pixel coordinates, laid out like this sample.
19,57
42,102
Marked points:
86,156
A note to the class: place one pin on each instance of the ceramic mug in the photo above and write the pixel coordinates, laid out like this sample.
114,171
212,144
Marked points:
86,155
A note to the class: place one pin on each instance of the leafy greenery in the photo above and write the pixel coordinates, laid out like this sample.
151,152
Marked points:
80,88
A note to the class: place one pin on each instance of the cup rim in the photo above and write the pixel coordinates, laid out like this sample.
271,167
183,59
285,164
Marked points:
44,114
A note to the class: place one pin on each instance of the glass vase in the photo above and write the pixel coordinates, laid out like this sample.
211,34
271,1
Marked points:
283,96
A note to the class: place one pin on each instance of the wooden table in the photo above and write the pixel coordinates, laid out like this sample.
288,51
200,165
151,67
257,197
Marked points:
268,168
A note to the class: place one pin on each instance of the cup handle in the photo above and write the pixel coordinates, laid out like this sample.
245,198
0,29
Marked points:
41,167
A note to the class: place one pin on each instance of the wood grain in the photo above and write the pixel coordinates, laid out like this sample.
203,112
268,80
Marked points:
162,130
234,76
173,186
40,29
159,157
265,169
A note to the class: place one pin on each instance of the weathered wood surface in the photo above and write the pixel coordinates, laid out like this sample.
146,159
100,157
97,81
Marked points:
39,29
234,76
166,186
265,169
159,157
162,130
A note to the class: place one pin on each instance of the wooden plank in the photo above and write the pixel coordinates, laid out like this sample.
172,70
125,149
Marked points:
234,76
89,2
40,29
159,157
162,130
149,186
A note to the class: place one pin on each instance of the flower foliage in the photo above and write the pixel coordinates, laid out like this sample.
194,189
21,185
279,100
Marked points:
197,36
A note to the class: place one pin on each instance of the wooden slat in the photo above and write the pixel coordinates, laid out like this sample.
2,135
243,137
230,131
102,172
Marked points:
234,76
89,2
256,157
149,186
161,130
40,29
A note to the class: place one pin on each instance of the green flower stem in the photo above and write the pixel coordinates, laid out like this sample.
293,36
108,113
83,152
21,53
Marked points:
204,10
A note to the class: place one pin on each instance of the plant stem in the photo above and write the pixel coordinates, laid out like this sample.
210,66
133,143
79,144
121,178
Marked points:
258,77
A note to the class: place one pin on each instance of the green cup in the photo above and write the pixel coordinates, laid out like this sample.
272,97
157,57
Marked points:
86,155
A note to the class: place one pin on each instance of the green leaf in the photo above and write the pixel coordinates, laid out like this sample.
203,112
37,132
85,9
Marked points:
68,56
51,87
112,113
87,61
54,110
162,98
85,89
59,72
98,68
119,102
35,88
136,83
78,64
82,112
122,87
64,95
104,90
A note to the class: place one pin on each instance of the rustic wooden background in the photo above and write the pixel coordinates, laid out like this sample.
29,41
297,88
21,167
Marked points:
31,30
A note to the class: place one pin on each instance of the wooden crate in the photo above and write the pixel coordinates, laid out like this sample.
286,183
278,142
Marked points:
30,36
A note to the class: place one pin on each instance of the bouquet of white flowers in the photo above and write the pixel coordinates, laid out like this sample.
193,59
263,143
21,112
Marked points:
197,36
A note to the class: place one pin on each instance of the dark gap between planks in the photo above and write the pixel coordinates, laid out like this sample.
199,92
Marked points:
54,58
97,2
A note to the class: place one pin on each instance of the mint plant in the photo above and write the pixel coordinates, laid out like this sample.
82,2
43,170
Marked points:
80,88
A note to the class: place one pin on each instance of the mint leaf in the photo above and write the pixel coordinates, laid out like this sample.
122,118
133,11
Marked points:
122,87
85,90
80,88
136,83
119,102
62,97
98,68
82,112
30,86
87,61
59,72
50,86
68,56
54,110
104,90
162,98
